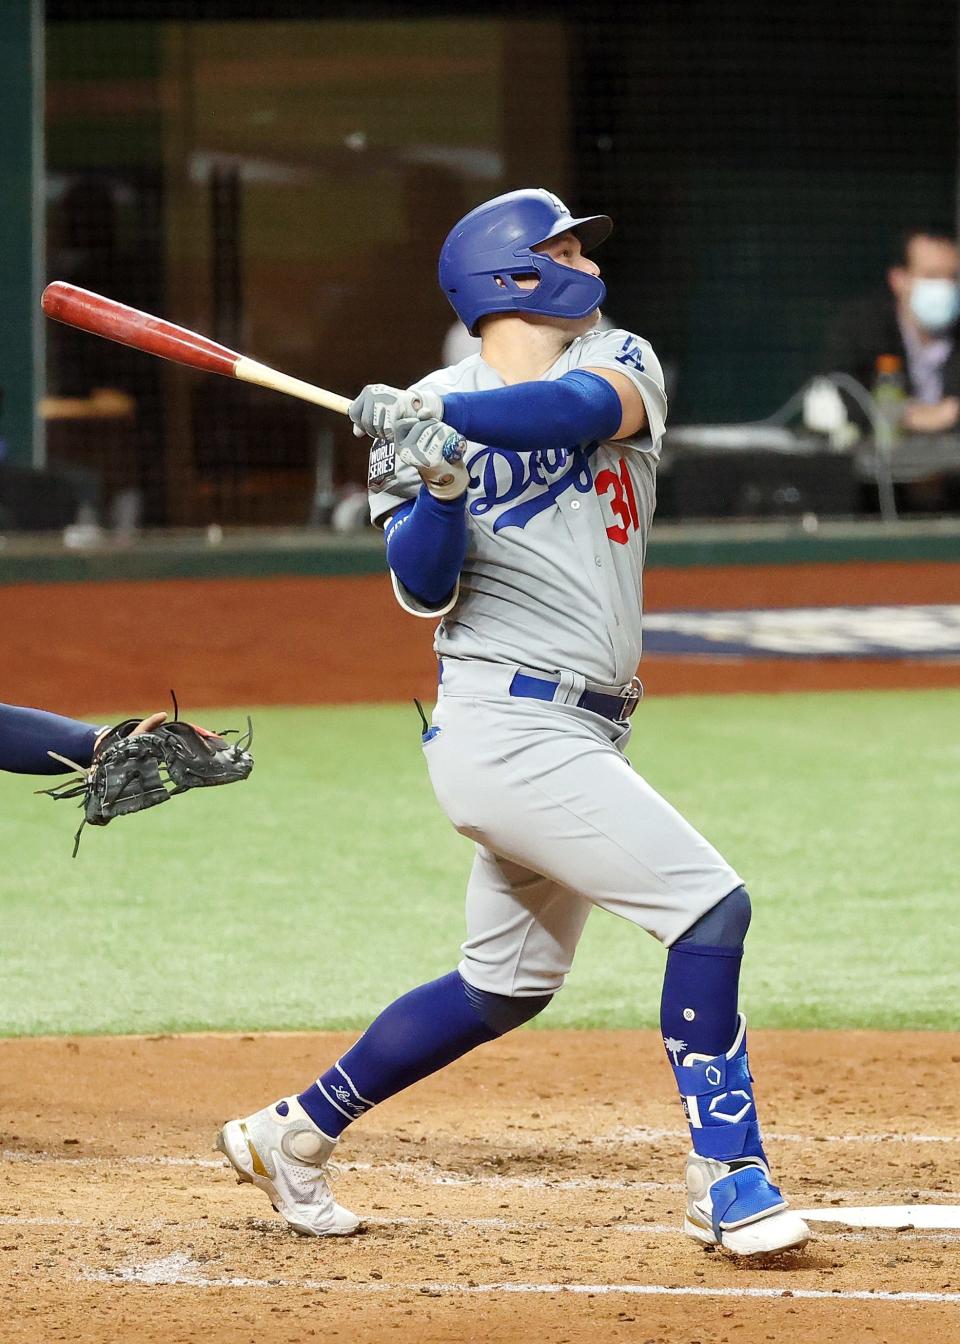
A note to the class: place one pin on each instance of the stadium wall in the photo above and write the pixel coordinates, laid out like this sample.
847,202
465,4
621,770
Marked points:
281,620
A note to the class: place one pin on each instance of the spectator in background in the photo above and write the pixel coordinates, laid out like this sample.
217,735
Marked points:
915,319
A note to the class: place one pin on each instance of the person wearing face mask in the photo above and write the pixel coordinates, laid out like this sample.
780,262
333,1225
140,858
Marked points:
914,318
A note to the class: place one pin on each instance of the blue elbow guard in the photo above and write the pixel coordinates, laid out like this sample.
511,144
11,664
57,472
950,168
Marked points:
427,545
577,408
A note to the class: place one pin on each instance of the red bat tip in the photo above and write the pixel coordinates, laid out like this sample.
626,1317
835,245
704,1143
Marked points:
52,296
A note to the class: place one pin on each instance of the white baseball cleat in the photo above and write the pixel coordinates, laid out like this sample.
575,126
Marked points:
736,1206
281,1152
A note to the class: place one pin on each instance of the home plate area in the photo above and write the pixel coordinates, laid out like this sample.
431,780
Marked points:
535,1193
890,632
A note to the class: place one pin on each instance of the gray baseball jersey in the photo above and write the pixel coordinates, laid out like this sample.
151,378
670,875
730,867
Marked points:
553,582
553,574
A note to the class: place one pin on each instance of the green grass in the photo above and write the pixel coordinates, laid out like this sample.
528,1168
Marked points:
331,882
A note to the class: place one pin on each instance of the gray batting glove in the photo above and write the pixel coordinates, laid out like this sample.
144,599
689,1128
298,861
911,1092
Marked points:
436,451
379,407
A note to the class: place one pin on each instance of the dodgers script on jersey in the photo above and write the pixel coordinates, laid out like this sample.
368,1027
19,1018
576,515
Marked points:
553,573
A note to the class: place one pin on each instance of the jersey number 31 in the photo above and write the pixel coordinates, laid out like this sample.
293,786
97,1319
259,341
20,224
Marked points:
623,500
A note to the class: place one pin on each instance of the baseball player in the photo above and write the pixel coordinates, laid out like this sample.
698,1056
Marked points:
516,490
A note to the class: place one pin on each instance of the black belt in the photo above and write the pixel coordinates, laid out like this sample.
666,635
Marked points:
616,707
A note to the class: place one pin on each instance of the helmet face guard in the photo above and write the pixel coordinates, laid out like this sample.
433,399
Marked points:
492,247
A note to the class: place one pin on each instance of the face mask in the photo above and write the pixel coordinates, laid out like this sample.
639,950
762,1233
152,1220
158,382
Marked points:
935,303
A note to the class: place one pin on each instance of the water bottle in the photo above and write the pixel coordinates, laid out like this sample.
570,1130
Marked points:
890,396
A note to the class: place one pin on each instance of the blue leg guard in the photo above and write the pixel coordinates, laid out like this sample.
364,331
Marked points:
717,1096
731,1200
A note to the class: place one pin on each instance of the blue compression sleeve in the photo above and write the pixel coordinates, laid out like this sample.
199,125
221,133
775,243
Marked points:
574,409
26,735
427,544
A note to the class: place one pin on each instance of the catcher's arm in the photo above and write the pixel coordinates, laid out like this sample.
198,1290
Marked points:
38,742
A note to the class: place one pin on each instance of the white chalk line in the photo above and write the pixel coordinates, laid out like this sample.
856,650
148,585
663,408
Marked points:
426,1174
543,1182
422,1173
643,1134
874,1236
635,1134
134,1160
178,1270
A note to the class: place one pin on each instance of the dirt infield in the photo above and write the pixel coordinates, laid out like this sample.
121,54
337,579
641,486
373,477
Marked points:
83,647
529,1192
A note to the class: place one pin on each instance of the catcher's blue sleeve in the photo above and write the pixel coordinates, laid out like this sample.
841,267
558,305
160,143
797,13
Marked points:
576,408
26,735
427,545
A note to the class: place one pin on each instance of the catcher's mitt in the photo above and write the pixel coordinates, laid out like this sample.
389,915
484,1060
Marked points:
129,774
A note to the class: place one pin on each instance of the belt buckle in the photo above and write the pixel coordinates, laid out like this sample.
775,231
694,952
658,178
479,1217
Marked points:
631,696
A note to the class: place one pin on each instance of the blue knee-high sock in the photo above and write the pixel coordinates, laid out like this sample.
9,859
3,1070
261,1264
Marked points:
698,1016
698,1006
421,1032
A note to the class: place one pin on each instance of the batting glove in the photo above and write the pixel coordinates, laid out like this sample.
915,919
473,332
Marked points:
436,451
378,409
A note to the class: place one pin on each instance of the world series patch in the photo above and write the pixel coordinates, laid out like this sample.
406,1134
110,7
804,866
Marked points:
382,466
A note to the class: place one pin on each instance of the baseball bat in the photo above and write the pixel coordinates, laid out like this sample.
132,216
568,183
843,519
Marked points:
116,322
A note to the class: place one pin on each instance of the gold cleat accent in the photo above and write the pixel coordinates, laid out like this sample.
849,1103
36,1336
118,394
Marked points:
255,1157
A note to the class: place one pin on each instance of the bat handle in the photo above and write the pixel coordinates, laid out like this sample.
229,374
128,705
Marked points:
251,371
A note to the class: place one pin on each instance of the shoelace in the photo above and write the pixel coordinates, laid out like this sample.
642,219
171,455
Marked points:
324,1173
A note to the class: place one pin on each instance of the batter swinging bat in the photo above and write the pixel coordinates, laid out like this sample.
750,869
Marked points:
115,321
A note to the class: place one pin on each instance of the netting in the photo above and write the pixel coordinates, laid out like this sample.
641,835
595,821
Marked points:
283,183
761,159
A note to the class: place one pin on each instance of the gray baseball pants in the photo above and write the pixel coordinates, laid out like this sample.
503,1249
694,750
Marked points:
562,822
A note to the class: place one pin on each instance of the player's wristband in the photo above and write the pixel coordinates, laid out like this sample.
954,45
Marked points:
26,735
577,408
427,545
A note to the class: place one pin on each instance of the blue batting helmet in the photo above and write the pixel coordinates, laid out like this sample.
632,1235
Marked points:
493,245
